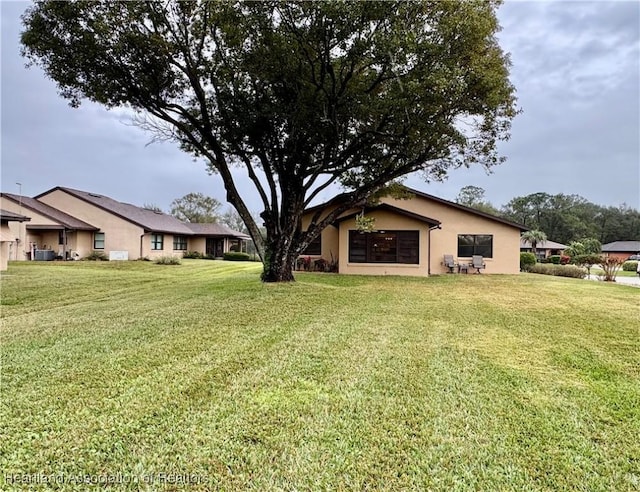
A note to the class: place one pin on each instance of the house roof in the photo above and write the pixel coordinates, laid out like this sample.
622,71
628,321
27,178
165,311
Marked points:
149,220
419,193
546,244
622,247
65,220
215,230
391,208
7,216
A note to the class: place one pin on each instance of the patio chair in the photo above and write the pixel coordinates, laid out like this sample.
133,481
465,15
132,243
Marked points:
449,263
477,262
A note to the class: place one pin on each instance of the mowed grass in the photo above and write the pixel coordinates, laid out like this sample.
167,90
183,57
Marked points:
457,382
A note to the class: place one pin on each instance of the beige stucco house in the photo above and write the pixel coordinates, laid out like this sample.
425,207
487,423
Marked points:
412,236
73,224
7,237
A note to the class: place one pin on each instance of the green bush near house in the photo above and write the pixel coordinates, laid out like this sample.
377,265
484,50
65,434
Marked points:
555,259
96,256
167,260
526,261
236,256
559,270
630,266
194,255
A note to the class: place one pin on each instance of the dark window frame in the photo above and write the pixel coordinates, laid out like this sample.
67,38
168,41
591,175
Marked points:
96,240
157,240
475,244
179,243
388,247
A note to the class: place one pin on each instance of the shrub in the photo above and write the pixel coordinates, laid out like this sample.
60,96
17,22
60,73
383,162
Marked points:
167,260
236,256
610,266
559,270
96,256
555,259
630,266
526,260
586,261
564,260
194,255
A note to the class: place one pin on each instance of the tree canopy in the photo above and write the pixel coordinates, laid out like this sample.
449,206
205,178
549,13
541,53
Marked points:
301,95
196,208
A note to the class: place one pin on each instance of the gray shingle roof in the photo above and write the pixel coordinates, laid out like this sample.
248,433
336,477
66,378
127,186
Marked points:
542,245
65,220
215,230
622,247
6,215
150,220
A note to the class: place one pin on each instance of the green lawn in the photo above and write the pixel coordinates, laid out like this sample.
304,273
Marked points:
457,382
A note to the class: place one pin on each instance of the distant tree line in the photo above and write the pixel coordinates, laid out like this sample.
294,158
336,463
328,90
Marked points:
563,218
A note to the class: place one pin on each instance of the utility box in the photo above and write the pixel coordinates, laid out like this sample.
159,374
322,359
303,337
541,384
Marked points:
44,255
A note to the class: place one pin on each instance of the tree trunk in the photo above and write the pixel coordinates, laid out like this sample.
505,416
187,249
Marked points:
278,264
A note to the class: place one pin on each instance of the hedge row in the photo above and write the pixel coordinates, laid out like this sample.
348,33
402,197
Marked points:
558,270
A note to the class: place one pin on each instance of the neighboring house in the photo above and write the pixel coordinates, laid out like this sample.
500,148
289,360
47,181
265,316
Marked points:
8,240
216,239
412,236
544,249
621,249
76,223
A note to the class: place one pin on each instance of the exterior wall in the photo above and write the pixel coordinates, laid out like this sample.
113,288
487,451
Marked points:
385,221
506,239
167,247
120,234
4,254
5,232
198,244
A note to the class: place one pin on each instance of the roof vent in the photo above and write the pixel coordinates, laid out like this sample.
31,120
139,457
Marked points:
94,195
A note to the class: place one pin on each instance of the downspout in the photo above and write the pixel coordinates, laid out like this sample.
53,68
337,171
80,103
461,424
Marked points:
429,247
141,243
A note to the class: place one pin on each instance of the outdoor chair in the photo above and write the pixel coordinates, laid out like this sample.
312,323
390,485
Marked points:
449,263
477,262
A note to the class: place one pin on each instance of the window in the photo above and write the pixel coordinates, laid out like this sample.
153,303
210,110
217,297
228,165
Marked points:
315,247
475,244
157,241
98,240
384,247
61,238
179,243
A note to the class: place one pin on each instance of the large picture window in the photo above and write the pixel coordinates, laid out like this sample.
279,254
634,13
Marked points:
475,244
179,243
98,240
157,242
384,247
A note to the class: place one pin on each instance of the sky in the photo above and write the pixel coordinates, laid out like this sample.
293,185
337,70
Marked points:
575,65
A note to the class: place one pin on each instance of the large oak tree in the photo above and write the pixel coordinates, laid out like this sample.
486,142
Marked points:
302,95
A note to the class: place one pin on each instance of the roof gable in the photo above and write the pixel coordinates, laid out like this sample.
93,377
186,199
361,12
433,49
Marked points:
337,199
149,220
391,208
62,218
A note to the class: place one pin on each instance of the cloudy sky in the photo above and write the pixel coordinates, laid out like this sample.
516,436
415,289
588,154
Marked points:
576,67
